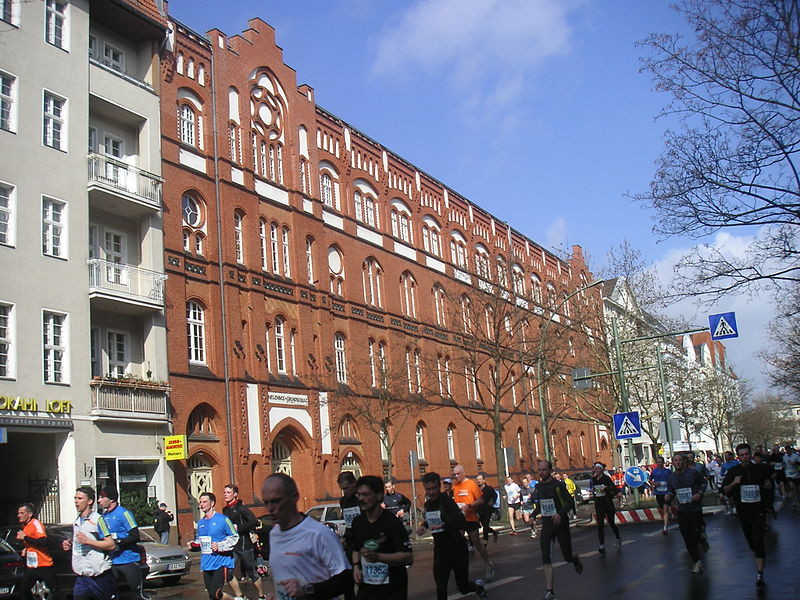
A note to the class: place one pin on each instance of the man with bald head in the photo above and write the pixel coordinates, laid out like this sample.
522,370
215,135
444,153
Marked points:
469,498
306,557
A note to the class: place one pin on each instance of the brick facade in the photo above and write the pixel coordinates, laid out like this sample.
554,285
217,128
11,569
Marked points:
243,392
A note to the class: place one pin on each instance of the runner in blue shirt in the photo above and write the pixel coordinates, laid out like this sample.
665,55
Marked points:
730,461
659,478
217,537
122,527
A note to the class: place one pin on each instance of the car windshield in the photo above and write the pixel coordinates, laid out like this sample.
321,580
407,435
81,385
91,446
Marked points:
334,514
315,513
5,547
146,537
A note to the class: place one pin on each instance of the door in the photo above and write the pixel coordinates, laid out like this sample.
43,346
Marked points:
116,255
199,481
281,458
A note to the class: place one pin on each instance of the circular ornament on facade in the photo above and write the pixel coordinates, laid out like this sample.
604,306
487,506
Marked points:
334,261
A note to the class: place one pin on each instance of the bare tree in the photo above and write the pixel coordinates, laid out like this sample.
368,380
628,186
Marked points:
783,354
720,402
732,159
764,421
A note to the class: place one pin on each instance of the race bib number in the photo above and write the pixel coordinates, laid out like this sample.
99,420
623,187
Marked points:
350,514
684,495
661,486
375,573
548,507
750,494
600,490
434,519
31,559
205,544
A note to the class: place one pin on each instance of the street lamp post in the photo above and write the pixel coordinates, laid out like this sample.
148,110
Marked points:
540,367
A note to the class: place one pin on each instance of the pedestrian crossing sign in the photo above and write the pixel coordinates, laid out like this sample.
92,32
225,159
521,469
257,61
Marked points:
627,425
723,326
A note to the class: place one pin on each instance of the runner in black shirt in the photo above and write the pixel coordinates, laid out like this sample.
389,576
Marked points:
446,521
350,510
603,491
381,549
395,502
485,511
748,485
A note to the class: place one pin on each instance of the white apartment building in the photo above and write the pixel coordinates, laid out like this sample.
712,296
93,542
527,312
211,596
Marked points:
83,369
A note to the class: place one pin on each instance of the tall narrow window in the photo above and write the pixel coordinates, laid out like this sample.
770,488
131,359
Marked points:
417,376
117,348
372,366
384,439
287,269
408,290
439,306
447,386
55,23
341,358
7,214
326,189
292,350
238,235
186,121
196,333
451,442
7,12
280,348
54,347
54,123
420,440
372,274
267,346
310,260
8,102
53,227
273,246
262,238
476,437
7,353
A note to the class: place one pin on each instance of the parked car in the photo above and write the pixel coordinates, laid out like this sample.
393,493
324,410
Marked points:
11,565
582,493
167,563
330,514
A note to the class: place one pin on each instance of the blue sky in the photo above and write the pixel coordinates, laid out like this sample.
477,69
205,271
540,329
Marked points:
533,109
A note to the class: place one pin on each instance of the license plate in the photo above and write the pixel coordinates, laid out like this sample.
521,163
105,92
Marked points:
177,566
4,591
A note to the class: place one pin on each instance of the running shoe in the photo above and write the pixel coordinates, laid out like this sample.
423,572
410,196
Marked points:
601,549
550,595
664,531
576,562
533,534
618,544
698,567
480,591
760,583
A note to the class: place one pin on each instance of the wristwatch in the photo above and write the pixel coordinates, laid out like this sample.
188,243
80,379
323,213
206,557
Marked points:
308,590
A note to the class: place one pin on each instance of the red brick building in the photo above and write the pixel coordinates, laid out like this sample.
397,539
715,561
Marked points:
300,252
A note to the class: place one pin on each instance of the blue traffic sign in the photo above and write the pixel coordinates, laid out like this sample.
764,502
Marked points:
627,425
635,477
3,435
723,326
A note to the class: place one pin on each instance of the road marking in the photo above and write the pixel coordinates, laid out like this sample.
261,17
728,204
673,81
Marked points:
488,586
658,531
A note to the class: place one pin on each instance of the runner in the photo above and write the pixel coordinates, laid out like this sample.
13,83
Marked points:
553,503
779,476
730,461
485,512
659,479
571,488
350,510
447,484
513,498
306,557
244,555
445,522
91,561
791,466
123,528
468,496
603,491
396,503
38,560
381,550
526,504
618,477
217,538
687,486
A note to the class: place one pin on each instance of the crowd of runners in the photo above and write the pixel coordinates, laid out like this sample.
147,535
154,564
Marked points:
307,559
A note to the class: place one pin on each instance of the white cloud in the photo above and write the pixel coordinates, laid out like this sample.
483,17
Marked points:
753,310
485,49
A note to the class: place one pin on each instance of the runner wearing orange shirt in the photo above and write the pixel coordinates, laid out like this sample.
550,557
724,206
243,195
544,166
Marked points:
38,561
469,498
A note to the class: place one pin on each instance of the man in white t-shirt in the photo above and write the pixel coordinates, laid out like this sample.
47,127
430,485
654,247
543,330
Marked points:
306,557
791,467
513,500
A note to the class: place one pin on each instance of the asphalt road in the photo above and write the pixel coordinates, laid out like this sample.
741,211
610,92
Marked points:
648,565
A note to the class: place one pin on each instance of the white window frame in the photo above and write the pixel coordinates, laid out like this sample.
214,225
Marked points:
262,238
476,437
326,189
116,64
54,232
8,336
8,193
116,366
55,350
280,344
371,355
310,260
9,13
187,124
340,351
8,102
287,269
273,246
238,235
292,345
54,121
451,442
56,20
419,437
196,332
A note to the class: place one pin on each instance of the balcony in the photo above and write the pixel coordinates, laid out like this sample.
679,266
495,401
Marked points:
121,188
127,398
125,288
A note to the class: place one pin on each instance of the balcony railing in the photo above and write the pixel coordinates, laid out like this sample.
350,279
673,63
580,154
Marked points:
127,280
112,173
130,399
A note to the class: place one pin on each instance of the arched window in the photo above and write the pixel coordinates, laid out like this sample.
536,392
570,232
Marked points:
329,185
348,431
187,124
382,374
438,304
384,442
280,345
458,249
201,423
268,345
267,118
447,387
340,358
201,74
401,221
466,315
518,280
310,260
536,441
238,235
372,275
502,272
569,443
273,246
582,440
191,209
365,209
519,443
431,236
476,437
179,63
408,369
536,289
482,262
552,300
417,376
451,441
292,350
196,332
199,238
420,440
190,68
373,368
326,189
262,238
287,265
336,270
408,291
